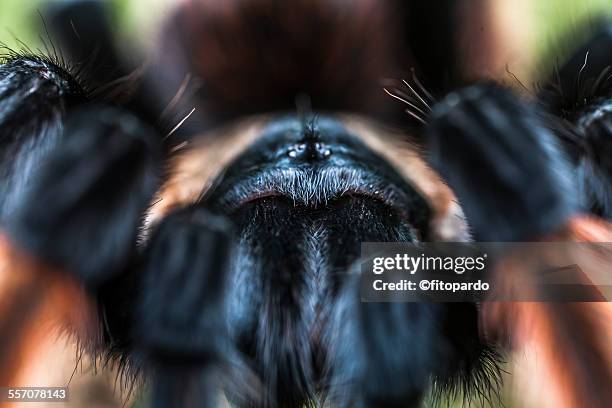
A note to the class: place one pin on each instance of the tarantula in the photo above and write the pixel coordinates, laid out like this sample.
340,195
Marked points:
197,219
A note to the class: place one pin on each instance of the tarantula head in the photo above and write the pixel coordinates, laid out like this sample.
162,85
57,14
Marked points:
303,192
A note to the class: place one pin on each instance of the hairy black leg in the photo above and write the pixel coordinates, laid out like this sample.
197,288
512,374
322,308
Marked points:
595,169
84,201
182,324
390,353
61,183
35,95
511,178
509,166
403,346
507,169
579,100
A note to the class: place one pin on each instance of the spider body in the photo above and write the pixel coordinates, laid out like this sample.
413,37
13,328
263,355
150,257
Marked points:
214,210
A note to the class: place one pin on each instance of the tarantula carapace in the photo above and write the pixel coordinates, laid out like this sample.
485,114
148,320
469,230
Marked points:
197,218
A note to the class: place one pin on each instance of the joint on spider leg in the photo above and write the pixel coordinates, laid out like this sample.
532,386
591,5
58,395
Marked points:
182,327
85,201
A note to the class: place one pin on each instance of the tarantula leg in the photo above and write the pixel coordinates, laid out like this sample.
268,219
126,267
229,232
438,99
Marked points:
35,94
595,169
78,212
405,347
515,185
510,178
183,330
579,99
391,352
85,201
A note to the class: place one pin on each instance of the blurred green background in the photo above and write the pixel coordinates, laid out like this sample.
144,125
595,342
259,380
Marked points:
20,20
